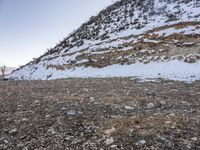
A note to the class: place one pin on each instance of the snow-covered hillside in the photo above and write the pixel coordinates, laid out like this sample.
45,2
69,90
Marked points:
147,39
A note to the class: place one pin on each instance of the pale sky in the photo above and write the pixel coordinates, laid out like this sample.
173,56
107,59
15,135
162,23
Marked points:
29,27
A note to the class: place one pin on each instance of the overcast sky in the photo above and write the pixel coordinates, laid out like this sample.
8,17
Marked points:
29,27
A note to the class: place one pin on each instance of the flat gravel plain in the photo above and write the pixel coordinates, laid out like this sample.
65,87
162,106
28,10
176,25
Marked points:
99,114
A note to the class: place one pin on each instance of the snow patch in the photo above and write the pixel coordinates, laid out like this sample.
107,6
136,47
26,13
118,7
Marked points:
173,70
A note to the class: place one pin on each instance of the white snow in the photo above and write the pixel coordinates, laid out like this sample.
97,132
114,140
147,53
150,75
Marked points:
173,70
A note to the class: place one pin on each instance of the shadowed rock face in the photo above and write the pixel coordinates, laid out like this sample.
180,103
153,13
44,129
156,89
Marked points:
118,113
126,32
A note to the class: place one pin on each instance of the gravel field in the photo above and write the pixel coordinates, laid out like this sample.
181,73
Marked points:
99,113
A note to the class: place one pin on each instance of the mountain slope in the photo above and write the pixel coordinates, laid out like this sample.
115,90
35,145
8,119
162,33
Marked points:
129,38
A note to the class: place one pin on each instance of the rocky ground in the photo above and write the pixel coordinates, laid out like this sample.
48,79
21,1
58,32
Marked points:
112,113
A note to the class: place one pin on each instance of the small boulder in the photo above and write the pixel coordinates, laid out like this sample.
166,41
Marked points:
150,105
109,141
142,142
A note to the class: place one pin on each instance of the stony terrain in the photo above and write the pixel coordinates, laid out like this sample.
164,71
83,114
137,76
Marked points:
104,113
